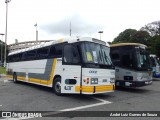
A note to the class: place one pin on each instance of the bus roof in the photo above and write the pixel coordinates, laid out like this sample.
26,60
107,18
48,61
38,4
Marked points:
127,44
69,40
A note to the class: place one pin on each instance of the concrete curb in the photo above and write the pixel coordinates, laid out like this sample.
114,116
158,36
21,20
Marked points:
2,75
156,79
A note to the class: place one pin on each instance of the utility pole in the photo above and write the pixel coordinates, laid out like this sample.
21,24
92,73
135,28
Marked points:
36,32
100,32
5,52
70,29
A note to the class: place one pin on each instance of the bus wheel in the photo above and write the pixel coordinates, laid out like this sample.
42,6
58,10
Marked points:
57,86
14,78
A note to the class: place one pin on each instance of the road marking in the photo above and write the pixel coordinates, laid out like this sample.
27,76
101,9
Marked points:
100,99
0,105
5,81
103,102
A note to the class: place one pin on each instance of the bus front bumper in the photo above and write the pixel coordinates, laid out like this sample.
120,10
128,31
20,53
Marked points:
95,89
132,83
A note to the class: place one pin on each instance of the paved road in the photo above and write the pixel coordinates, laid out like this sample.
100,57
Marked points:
28,97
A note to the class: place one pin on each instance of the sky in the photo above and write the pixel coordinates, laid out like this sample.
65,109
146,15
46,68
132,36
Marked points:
87,17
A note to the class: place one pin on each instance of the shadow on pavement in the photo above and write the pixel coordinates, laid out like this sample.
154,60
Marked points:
133,90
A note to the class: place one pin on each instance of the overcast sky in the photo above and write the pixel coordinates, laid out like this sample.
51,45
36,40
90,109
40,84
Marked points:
87,17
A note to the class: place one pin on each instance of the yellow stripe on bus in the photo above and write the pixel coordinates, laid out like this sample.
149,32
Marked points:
104,88
9,76
34,80
21,78
44,82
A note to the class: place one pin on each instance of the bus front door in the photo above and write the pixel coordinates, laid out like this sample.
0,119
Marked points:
71,70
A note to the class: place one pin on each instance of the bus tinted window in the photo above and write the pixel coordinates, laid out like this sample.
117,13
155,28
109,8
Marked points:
9,59
24,56
56,50
42,52
31,54
115,56
71,54
52,51
15,58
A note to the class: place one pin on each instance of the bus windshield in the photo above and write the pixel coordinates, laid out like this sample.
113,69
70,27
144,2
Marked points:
143,59
95,53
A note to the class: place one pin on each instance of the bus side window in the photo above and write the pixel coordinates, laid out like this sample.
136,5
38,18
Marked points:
52,52
24,56
31,54
10,58
15,58
42,52
56,51
71,55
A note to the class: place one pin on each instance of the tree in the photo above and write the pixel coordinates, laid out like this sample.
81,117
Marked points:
152,28
155,45
141,37
132,35
124,36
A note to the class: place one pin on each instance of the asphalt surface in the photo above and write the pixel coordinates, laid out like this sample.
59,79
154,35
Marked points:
28,97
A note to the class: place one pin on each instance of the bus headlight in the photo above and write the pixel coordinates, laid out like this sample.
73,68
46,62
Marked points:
94,80
112,80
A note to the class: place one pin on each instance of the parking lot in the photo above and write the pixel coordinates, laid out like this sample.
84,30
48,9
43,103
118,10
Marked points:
29,97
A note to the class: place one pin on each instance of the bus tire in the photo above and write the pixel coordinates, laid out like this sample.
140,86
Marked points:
15,78
57,86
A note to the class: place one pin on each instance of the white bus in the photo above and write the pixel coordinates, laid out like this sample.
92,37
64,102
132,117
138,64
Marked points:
132,64
155,65
75,65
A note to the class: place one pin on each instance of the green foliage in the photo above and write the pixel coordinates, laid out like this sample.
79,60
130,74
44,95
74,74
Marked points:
132,35
2,70
141,37
125,36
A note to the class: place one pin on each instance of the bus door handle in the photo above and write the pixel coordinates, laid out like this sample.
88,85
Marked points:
63,69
